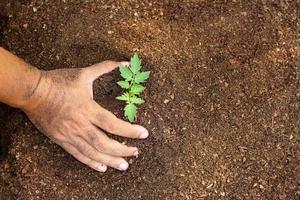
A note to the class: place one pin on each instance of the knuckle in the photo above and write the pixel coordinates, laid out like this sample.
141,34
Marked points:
108,121
110,127
100,147
95,141
91,136
106,147
111,124
89,152
118,149
58,136
119,152
83,148
115,152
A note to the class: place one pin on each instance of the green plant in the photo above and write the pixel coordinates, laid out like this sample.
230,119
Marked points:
133,78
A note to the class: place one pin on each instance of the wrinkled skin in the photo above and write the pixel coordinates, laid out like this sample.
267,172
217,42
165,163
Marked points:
62,107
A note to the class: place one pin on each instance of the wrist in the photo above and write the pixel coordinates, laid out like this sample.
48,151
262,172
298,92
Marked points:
30,86
18,80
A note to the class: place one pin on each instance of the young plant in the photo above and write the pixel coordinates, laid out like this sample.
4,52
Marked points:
133,78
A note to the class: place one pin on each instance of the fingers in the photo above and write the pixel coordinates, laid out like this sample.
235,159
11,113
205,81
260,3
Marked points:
82,158
104,144
94,71
107,121
87,150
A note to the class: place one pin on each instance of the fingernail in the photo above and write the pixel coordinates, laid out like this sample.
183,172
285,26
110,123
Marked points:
101,168
144,134
125,63
136,153
123,166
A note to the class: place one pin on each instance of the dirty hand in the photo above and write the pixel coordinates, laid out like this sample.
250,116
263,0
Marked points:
62,107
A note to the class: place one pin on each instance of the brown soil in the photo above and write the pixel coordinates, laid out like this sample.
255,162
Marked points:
222,104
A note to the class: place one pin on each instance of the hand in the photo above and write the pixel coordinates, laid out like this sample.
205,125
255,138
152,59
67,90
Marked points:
62,107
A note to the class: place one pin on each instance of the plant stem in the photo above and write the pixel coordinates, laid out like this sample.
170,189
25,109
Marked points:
129,89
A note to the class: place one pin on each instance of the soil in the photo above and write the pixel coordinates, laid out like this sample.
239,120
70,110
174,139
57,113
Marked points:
222,105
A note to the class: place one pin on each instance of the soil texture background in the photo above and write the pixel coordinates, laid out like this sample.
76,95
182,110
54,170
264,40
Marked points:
222,105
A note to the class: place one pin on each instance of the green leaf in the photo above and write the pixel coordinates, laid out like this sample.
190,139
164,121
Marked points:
130,112
123,97
123,84
137,100
135,63
125,73
142,77
137,89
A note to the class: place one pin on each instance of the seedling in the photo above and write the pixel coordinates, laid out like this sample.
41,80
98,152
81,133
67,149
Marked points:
133,78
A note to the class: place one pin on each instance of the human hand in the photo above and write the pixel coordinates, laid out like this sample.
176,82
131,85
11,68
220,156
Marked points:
62,107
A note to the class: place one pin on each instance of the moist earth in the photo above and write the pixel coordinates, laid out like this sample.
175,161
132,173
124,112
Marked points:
222,104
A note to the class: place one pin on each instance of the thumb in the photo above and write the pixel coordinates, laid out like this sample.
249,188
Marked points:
97,70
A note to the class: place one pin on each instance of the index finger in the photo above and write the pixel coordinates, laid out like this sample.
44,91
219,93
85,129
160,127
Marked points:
107,121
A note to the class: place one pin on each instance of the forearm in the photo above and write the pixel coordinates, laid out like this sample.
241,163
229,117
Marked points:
17,79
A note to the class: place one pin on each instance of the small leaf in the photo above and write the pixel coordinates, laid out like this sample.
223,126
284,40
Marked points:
123,97
130,112
137,89
142,77
137,100
135,63
125,73
123,84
